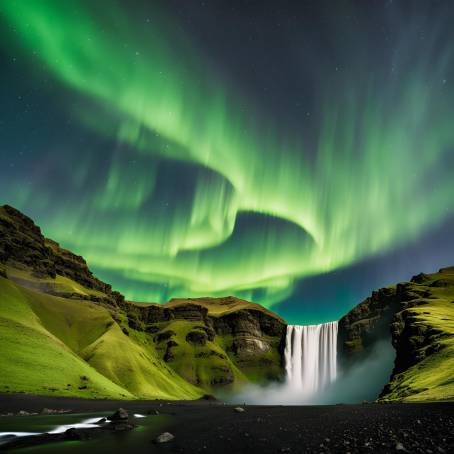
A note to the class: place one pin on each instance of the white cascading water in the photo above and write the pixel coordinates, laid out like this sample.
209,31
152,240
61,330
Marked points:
311,356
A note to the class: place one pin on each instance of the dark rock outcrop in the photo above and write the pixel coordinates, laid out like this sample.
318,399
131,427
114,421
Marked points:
169,354
366,324
120,415
23,246
164,336
197,337
250,337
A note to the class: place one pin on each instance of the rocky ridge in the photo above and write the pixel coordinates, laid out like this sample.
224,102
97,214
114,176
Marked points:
23,246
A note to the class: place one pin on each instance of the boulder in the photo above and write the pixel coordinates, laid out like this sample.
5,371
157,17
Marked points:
165,437
120,415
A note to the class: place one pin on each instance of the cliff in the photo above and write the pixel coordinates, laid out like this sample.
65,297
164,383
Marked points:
418,318
23,246
214,341
51,303
365,324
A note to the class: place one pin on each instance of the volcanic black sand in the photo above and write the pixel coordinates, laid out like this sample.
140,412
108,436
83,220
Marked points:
212,427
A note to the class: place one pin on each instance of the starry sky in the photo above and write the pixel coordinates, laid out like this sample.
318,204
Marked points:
297,154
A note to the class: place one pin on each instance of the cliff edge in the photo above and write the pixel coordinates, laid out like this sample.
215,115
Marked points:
418,318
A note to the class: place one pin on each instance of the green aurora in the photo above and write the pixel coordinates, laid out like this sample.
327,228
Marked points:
265,204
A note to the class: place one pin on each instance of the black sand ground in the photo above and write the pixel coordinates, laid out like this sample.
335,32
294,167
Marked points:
214,428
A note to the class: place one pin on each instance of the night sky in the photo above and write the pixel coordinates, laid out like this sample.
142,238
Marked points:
297,154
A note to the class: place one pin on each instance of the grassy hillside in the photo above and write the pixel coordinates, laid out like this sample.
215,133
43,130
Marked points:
59,285
202,362
423,334
53,345
64,331
76,347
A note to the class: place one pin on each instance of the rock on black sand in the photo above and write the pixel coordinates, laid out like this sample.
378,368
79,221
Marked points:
164,438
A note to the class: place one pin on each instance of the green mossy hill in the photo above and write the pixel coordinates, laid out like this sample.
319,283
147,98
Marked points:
419,318
65,332
215,342
68,347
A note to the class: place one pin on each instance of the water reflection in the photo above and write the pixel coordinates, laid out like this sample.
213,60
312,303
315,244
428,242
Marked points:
84,424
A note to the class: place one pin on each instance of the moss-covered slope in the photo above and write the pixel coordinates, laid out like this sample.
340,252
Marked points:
65,332
53,345
423,336
418,317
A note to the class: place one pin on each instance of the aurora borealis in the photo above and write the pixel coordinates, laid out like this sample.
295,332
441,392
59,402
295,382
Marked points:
188,149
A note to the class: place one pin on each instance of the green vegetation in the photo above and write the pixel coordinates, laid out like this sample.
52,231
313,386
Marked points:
204,363
428,338
53,345
72,346
58,285
215,360
86,340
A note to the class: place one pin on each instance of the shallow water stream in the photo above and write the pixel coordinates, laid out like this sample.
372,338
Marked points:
136,440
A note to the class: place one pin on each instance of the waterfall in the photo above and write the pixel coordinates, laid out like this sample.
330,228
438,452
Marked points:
311,356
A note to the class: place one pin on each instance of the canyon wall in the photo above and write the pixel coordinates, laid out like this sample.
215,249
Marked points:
418,318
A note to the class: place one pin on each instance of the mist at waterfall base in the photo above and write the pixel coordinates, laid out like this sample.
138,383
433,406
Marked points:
361,382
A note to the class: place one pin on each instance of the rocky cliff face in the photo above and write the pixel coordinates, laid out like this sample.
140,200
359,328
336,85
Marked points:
214,342
418,318
365,324
210,342
23,246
